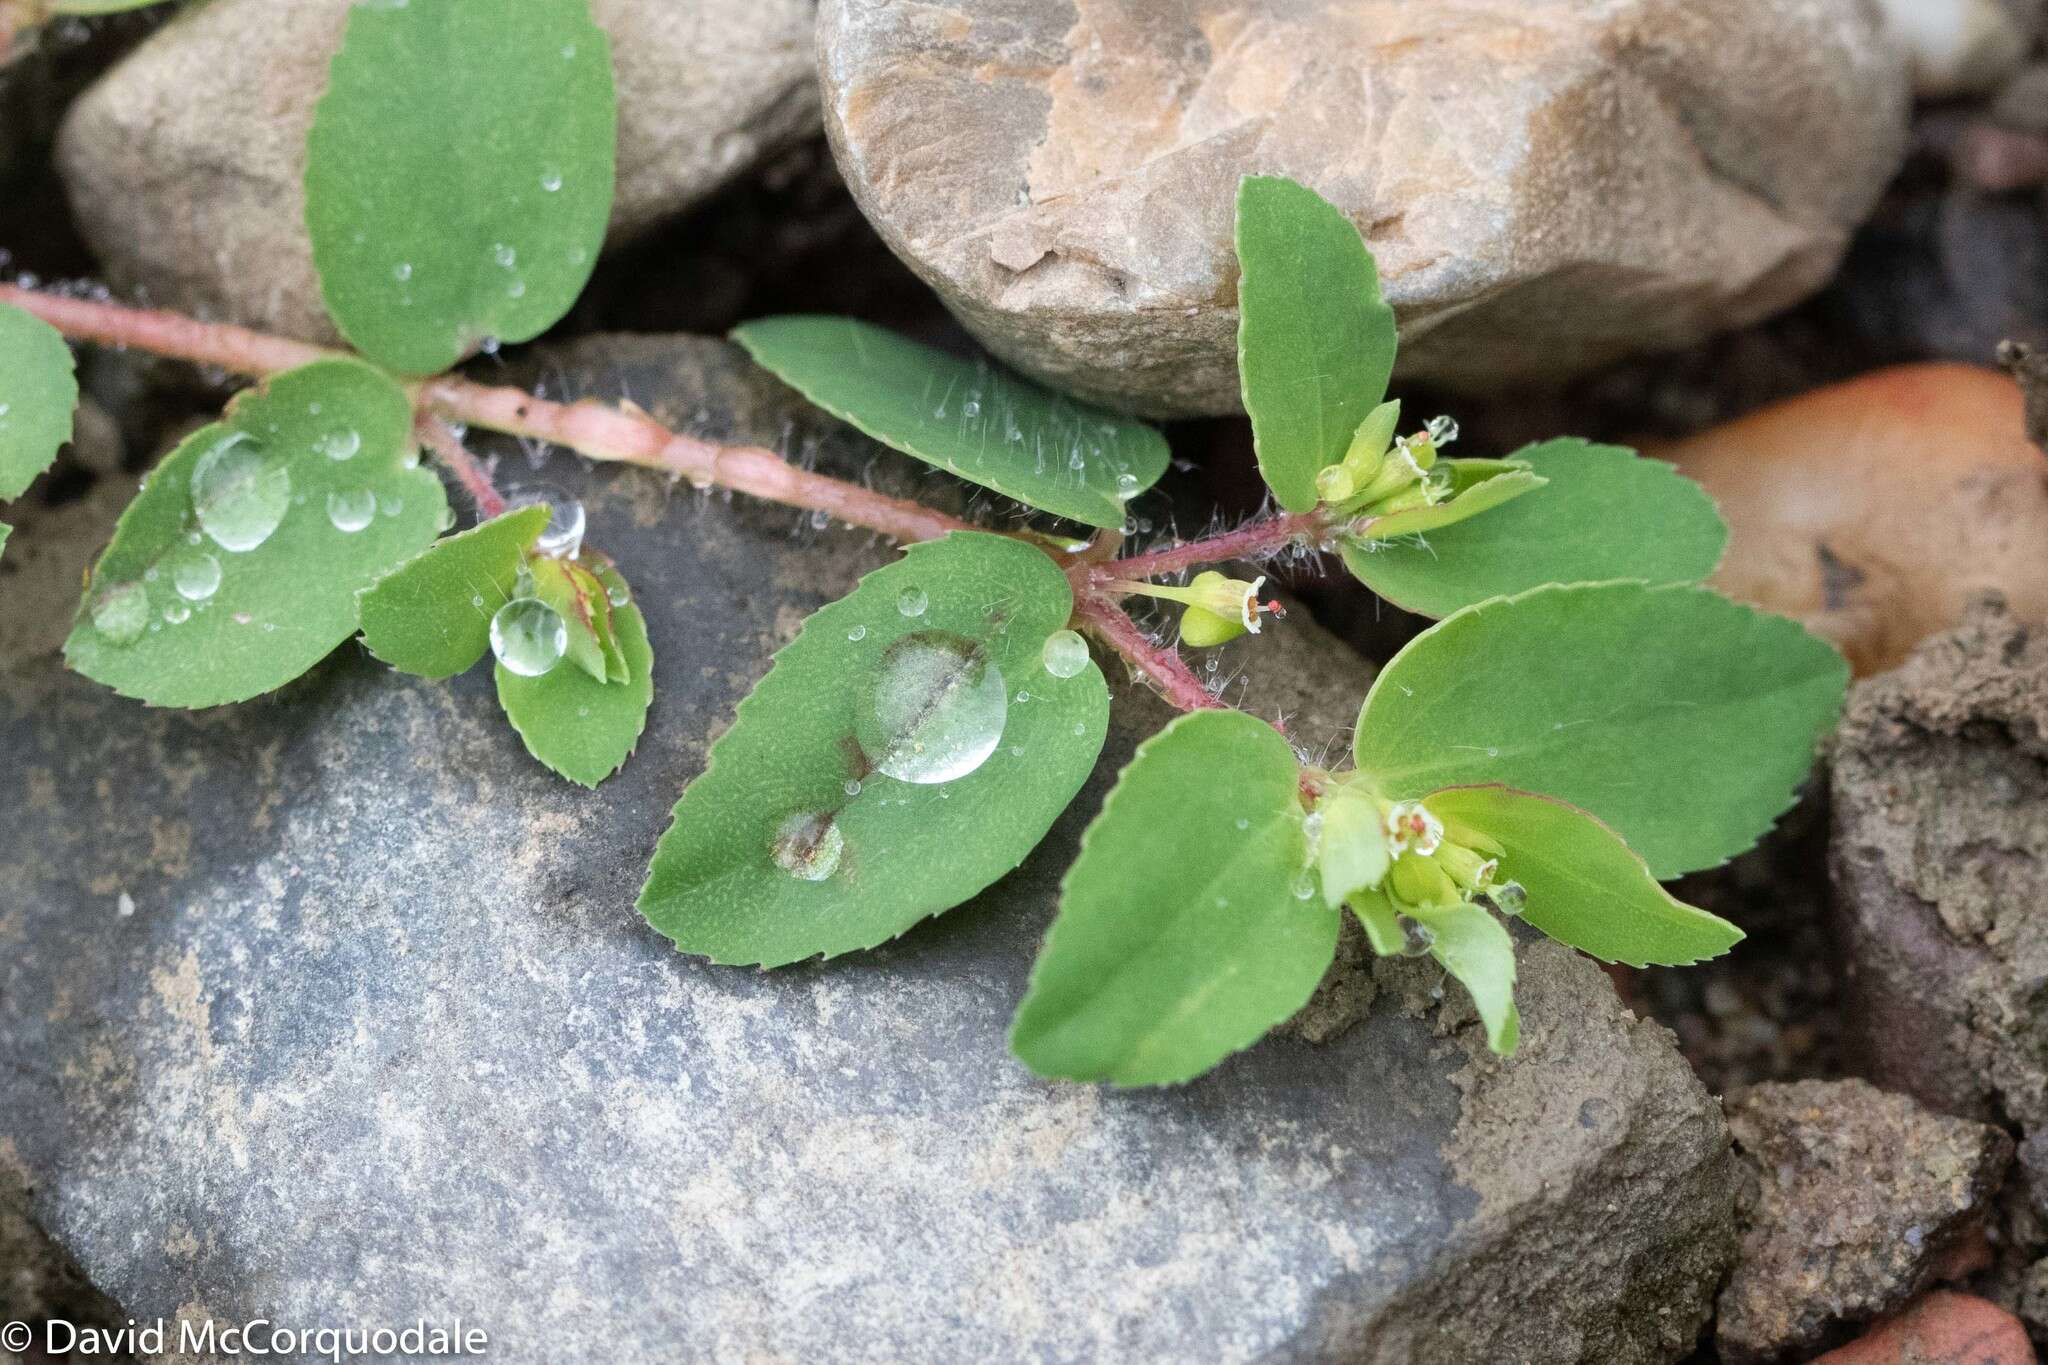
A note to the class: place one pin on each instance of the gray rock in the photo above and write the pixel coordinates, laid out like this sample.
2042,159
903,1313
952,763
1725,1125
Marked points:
1940,864
1549,185
1862,1197
184,163
382,1038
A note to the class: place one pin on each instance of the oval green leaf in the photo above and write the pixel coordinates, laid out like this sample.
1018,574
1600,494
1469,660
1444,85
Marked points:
966,417
1315,341
431,616
1182,936
1585,887
38,391
1477,949
236,568
1603,513
459,174
1682,719
578,725
798,842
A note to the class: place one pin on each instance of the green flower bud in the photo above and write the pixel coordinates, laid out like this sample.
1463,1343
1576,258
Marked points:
1418,880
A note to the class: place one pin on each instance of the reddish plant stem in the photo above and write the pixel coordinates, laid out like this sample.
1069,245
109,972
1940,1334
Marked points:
440,438
1169,672
1251,539
603,432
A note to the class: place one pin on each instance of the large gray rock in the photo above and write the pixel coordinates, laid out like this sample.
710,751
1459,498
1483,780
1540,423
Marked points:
1548,184
1940,864
184,164
333,1007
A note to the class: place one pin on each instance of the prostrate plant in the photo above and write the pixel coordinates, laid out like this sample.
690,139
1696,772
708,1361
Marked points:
1584,721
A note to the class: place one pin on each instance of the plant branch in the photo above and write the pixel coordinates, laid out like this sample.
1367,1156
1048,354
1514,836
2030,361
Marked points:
594,429
440,438
1169,672
1252,539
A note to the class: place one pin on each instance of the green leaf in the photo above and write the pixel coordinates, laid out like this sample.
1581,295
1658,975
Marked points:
1376,915
581,727
1605,513
1584,886
964,416
432,615
1315,341
37,393
579,599
459,174
798,842
1181,938
230,574
1473,491
1477,949
1680,718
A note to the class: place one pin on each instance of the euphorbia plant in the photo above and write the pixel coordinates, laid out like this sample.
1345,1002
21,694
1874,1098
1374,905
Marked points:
1584,720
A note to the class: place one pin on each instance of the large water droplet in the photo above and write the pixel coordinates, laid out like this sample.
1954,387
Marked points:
239,493
566,521
912,601
1509,898
808,846
529,636
1066,654
351,511
934,710
195,574
121,612
340,445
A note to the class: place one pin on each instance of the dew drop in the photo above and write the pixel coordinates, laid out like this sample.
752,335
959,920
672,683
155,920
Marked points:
551,181
820,519
852,787
1304,887
504,255
351,512
195,574
971,408
402,271
808,846
617,595
934,710
391,507
1066,653
1417,938
476,600
1510,899
239,493
516,289
177,613
912,601
341,445
857,633
563,537
121,612
1126,487
528,636
1243,823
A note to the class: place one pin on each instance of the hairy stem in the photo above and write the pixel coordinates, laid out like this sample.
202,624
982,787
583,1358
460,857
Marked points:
1252,539
604,432
449,452
1177,683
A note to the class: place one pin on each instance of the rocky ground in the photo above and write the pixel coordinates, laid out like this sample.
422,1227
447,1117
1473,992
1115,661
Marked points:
335,1002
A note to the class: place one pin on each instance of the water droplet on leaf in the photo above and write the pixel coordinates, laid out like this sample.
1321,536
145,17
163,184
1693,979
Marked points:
528,636
239,493
195,574
1126,487
934,710
912,601
808,846
351,512
1066,653
1417,938
341,445
177,613
121,612
857,633
551,181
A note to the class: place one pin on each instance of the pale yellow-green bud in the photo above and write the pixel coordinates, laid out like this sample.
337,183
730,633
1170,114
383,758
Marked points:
1418,880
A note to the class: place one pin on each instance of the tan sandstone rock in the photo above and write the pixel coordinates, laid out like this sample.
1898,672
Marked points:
184,163
1548,184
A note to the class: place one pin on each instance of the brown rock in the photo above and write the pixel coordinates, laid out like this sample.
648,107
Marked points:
1863,1199
1548,184
184,163
1940,865
1945,1328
